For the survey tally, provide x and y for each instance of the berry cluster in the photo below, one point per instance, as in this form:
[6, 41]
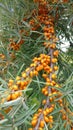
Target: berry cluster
[21, 83]
[15, 46]
[50, 91]
[47, 63]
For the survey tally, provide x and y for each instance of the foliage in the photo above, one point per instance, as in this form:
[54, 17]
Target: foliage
[21, 40]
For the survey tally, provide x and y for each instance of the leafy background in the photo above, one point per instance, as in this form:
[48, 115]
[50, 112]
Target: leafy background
[11, 15]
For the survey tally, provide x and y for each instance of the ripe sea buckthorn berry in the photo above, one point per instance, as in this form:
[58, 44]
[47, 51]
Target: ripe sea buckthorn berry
[53, 76]
[48, 80]
[44, 101]
[43, 90]
[61, 104]
[15, 87]
[51, 109]
[51, 117]
[55, 68]
[54, 60]
[44, 112]
[44, 75]
[40, 128]
[46, 119]
[53, 46]
[13, 96]
[11, 81]
[30, 129]
[34, 122]
[64, 117]
[51, 99]
[18, 82]
[39, 110]
[34, 118]
[53, 82]
[35, 72]
[60, 100]
[31, 73]
[18, 78]
[37, 68]
[55, 53]
[17, 94]
[33, 65]
[24, 75]
[50, 120]
[27, 69]
[47, 110]
[42, 123]
[46, 93]
[50, 70]
[8, 97]
[36, 115]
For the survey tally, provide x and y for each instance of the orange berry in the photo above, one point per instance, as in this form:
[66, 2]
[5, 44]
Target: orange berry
[18, 82]
[64, 117]
[44, 101]
[51, 99]
[15, 87]
[54, 60]
[40, 128]
[61, 104]
[56, 53]
[17, 93]
[27, 69]
[44, 75]
[50, 120]
[30, 129]
[42, 123]
[51, 117]
[11, 81]
[34, 122]
[47, 110]
[53, 76]
[8, 97]
[35, 72]
[31, 74]
[53, 82]
[50, 109]
[46, 119]
[13, 96]
[34, 118]
[53, 105]
[37, 68]
[55, 68]
[44, 112]
[48, 80]
[50, 70]
[32, 65]
[60, 101]
[46, 93]
[43, 90]
[39, 110]
[53, 46]
[18, 78]
[24, 75]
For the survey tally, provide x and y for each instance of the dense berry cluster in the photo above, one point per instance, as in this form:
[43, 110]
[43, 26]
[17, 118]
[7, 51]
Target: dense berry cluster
[21, 83]
[43, 115]
[47, 63]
